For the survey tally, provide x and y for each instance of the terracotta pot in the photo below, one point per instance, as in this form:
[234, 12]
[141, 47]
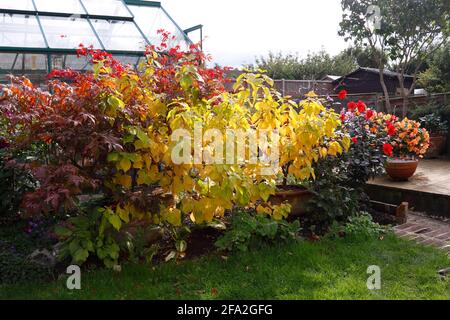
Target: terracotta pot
[401, 169]
[437, 146]
[297, 197]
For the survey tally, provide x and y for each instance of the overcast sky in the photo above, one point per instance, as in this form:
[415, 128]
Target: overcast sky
[238, 30]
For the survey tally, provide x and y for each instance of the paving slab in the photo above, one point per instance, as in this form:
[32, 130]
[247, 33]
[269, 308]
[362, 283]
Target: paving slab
[432, 175]
[427, 191]
[425, 230]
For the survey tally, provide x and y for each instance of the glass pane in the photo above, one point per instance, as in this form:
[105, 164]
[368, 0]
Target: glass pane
[35, 61]
[151, 19]
[19, 63]
[131, 60]
[17, 4]
[76, 63]
[31, 61]
[119, 35]
[115, 8]
[33, 66]
[68, 33]
[63, 6]
[20, 31]
[7, 61]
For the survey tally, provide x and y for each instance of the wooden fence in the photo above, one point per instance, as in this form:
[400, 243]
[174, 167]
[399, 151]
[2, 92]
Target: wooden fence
[298, 88]
[324, 88]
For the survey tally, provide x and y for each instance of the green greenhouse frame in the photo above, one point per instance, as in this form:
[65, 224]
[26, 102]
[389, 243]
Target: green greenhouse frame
[30, 44]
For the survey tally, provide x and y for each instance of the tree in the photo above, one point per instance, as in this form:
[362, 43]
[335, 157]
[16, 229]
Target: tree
[420, 27]
[357, 26]
[403, 32]
[363, 55]
[315, 66]
[436, 77]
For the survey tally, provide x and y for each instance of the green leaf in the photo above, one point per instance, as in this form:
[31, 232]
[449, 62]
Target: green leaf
[63, 232]
[144, 141]
[186, 82]
[115, 102]
[115, 221]
[74, 246]
[113, 157]
[181, 246]
[80, 255]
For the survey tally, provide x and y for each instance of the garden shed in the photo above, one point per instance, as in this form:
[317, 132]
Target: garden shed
[37, 36]
[367, 80]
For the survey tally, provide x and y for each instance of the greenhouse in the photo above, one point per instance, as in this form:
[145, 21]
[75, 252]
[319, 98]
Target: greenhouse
[37, 36]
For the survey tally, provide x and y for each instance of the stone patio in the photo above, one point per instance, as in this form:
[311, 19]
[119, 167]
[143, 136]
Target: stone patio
[427, 191]
[425, 230]
[432, 176]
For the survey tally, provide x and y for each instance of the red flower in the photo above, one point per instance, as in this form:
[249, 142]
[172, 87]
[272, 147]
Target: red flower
[369, 114]
[342, 117]
[342, 94]
[355, 140]
[351, 106]
[361, 106]
[388, 149]
[391, 129]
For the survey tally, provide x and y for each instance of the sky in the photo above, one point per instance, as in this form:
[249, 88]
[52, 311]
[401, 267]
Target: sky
[237, 31]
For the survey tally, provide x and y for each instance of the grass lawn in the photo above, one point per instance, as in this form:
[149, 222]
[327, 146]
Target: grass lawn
[323, 270]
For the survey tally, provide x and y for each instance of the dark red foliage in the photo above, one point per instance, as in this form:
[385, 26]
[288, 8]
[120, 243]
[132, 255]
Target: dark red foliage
[73, 126]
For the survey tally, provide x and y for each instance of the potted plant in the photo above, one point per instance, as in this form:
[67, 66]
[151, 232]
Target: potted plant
[369, 131]
[409, 143]
[437, 128]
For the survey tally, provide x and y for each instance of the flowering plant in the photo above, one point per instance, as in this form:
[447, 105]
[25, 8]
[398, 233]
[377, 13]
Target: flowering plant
[410, 139]
[369, 132]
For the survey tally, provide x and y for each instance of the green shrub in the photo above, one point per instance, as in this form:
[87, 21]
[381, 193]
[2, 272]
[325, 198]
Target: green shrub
[441, 110]
[15, 182]
[434, 123]
[359, 226]
[88, 234]
[335, 194]
[249, 231]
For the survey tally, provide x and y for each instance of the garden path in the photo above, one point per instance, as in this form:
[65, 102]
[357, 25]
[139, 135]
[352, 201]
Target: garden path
[425, 230]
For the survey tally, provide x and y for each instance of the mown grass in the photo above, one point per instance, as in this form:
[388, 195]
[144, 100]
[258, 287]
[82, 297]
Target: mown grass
[329, 269]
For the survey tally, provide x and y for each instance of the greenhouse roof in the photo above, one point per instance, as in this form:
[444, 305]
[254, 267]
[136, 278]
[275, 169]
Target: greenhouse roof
[37, 35]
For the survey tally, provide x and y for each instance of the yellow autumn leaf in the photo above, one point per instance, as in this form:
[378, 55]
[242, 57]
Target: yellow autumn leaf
[124, 165]
[172, 216]
[123, 180]
[334, 148]
[346, 143]
[263, 210]
[123, 214]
